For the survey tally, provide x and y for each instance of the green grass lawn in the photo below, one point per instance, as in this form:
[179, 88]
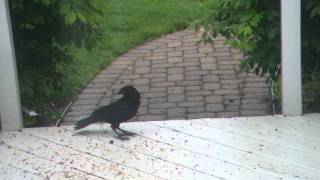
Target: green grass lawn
[127, 24]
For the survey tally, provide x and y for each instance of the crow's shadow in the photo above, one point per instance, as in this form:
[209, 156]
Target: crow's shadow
[91, 133]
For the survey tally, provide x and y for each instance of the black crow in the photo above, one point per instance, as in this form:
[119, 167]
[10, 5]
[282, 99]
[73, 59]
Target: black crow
[115, 113]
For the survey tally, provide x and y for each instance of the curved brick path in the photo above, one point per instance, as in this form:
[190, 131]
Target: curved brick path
[178, 78]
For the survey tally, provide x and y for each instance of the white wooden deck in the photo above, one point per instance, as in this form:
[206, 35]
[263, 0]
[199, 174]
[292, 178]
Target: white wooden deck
[234, 148]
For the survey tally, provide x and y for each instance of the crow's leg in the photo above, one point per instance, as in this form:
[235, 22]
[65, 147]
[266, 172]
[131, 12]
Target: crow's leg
[128, 133]
[119, 136]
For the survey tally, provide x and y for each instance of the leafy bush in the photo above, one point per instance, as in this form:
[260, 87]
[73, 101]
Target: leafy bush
[310, 38]
[311, 92]
[311, 55]
[42, 29]
[254, 27]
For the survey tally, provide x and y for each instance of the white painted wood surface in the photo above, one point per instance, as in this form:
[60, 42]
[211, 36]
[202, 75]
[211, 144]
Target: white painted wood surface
[291, 57]
[10, 110]
[256, 147]
[266, 147]
[258, 131]
[6, 172]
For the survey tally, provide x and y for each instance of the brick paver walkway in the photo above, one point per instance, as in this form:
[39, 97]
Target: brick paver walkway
[178, 79]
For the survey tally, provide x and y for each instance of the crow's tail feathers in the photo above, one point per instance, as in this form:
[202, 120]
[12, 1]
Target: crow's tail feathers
[83, 123]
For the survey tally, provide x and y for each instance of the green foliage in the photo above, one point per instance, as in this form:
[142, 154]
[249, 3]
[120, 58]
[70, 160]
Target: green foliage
[42, 29]
[254, 27]
[310, 38]
[311, 92]
[61, 45]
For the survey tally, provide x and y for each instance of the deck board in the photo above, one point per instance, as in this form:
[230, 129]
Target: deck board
[220, 151]
[61, 153]
[308, 119]
[260, 148]
[248, 129]
[6, 172]
[187, 158]
[122, 156]
[288, 125]
[268, 147]
[34, 164]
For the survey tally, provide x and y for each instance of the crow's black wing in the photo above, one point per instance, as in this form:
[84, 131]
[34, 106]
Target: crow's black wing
[118, 111]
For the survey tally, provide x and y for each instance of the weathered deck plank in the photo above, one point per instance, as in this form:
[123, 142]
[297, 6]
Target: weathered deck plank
[307, 119]
[32, 163]
[181, 156]
[228, 148]
[122, 156]
[257, 147]
[246, 128]
[62, 153]
[6, 172]
[288, 125]
[221, 151]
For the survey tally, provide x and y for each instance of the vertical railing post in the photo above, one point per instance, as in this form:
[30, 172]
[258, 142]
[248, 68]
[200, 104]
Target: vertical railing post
[10, 109]
[291, 57]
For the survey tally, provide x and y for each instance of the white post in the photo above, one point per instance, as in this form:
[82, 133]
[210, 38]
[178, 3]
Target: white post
[10, 109]
[291, 57]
